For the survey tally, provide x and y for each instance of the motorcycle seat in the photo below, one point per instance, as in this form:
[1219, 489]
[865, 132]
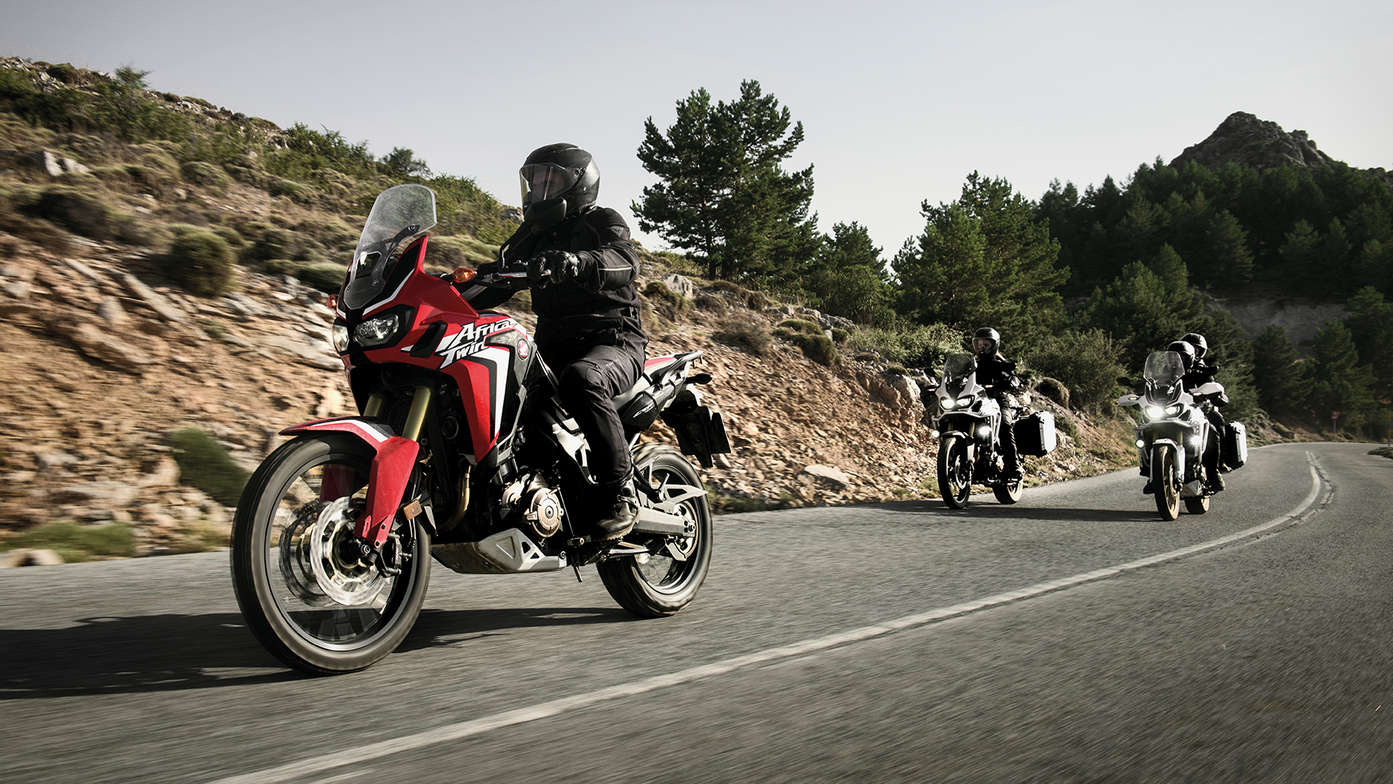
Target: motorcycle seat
[654, 369]
[624, 397]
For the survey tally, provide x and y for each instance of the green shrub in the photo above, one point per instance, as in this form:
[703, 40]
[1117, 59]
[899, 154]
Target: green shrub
[78, 211]
[750, 336]
[205, 174]
[295, 191]
[1085, 361]
[446, 253]
[711, 303]
[205, 464]
[753, 300]
[840, 334]
[327, 276]
[76, 542]
[665, 301]
[800, 325]
[200, 261]
[63, 72]
[917, 346]
[817, 347]
[135, 230]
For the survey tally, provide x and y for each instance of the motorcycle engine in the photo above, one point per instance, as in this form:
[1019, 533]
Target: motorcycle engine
[536, 503]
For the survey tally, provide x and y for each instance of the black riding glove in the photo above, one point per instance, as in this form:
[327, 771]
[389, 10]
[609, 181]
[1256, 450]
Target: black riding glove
[553, 266]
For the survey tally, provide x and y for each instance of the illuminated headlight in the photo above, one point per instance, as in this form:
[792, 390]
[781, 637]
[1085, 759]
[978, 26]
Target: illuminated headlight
[965, 400]
[984, 431]
[933, 434]
[339, 335]
[1141, 444]
[1175, 409]
[947, 402]
[376, 331]
[1194, 441]
[1154, 412]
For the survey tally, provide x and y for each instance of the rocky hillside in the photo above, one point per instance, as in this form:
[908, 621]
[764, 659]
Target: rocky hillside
[135, 406]
[1246, 139]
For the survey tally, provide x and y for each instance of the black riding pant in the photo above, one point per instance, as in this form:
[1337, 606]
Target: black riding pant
[589, 374]
[1007, 434]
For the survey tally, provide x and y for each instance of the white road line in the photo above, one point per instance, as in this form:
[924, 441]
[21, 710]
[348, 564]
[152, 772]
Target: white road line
[452, 732]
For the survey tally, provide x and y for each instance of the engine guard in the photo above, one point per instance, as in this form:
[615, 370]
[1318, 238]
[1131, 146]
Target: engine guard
[392, 462]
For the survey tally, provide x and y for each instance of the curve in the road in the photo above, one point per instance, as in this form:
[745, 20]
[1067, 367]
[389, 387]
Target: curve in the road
[459, 730]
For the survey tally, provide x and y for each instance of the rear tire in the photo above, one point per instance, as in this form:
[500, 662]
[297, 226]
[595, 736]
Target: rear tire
[1197, 506]
[1163, 483]
[664, 585]
[954, 472]
[298, 632]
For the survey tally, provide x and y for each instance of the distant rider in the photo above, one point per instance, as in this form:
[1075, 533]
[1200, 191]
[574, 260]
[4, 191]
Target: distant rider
[1205, 372]
[588, 326]
[1197, 375]
[998, 375]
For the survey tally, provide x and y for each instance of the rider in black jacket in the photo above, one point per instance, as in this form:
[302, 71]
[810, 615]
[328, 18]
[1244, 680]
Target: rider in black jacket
[998, 374]
[1202, 372]
[583, 265]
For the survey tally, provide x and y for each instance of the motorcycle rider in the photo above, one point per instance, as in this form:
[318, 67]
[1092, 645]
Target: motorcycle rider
[1197, 375]
[998, 375]
[1202, 372]
[582, 265]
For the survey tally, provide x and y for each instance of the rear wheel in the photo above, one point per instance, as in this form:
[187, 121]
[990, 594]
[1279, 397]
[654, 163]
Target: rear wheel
[662, 584]
[297, 577]
[1163, 482]
[954, 471]
[1197, 506]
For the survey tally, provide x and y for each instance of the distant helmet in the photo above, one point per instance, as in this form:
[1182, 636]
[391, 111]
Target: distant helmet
[1197, 340]
[1186, 350]
[986, 341]
[558, 179]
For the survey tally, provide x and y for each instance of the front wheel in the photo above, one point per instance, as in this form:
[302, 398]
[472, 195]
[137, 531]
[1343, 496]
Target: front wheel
[1008, 492]
[661, 584]
[297, 577]
[954, 471]
[1163, 482]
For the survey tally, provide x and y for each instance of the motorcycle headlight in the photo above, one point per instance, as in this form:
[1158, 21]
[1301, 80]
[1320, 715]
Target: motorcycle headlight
[339, 335]
[965, 400]
[1174, 410]
[947, 402]
[1154, 412]
[377, 331]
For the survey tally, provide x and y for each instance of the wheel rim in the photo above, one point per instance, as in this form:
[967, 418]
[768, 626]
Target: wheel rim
[660, 570]
[315, 585]
[959, 471]
[1172, 492]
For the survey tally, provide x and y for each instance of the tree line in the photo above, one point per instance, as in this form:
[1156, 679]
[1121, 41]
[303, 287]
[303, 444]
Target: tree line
[1082, 286]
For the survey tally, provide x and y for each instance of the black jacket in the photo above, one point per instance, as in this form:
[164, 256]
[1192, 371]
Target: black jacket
[998, 372]
[601, 300]
[1199, 374]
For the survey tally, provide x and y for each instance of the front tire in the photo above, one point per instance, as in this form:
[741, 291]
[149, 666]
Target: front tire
[1197, 506]
[954, 472]
[1163, 482]
[664, 585]
[303, 603]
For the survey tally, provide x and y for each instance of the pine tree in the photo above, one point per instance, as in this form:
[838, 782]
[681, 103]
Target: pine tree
[849, 278]
[1282, 378]
[723, 192]
[1340, 383]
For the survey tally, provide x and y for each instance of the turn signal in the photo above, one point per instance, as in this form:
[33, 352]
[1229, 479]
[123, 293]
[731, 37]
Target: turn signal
[462, 275]
[332, 301]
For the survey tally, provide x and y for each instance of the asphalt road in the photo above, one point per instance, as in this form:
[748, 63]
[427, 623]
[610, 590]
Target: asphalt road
[869, 643]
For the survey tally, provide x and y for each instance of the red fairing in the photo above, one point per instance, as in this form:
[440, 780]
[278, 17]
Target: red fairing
[391, 469]
[479, 370]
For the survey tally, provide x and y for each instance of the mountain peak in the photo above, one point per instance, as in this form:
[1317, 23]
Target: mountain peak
[1247, 139]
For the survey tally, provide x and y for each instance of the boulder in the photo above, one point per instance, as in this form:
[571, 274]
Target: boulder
[679, 285]
[828, 474]
[111, 311]
[28, 557]
[103, 347]
[153, 299]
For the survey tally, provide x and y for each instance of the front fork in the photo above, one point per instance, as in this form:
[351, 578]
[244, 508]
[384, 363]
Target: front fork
[391, 469]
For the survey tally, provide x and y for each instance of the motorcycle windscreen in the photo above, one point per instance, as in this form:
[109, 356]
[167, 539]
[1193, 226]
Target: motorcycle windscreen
[958, 369]
[400, 215]
[1163, 369]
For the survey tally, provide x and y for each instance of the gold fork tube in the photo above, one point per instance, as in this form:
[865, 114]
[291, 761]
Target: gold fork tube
[416, 417]
[373, 409]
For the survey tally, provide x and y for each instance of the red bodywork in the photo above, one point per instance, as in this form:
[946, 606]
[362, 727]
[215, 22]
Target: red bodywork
[481, 372]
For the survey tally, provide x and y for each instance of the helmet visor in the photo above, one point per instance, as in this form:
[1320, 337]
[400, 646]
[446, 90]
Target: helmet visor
[983, 345]
[542, 181]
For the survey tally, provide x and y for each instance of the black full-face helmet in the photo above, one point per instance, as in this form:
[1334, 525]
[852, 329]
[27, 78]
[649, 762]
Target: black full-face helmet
[1197, 340]
[558, 180]
[1186, 350]
[985, 342]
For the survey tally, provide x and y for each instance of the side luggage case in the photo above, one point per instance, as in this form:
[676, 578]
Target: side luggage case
[1235, 445]
[1035, 436]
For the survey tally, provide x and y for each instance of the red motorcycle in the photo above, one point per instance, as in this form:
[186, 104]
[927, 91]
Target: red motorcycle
[462, 454]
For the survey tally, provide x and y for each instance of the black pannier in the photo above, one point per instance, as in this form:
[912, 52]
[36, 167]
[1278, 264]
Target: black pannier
[1035, 435]
[700, 431]
[1235, 445]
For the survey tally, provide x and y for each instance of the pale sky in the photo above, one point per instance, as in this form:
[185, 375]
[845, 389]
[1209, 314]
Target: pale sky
[899, 101]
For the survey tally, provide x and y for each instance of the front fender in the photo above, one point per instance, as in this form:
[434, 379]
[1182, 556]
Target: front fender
[393, 459]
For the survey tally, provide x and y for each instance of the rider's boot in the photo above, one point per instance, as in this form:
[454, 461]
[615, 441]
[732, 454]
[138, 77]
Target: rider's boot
[619, 511]
[1148, 489]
